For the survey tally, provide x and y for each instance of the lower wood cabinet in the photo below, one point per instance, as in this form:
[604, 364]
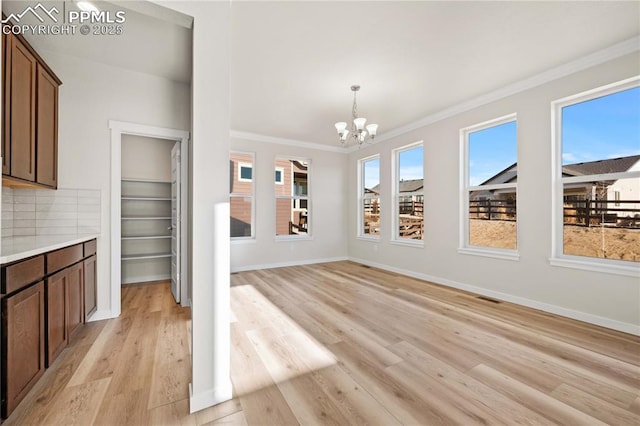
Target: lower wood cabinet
[23, 344]
[90, 283]
[75, 298]
[48, 298]
[57, 314]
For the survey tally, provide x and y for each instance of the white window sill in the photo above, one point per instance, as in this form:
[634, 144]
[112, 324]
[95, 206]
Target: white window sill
[375, 239]
[493, 253]
[408, 243]
[243, 240]
[289, 238]
[597, 265]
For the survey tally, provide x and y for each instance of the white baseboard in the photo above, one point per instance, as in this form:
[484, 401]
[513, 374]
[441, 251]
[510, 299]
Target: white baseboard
[558, 310]
[209, 398]
[101, 315]
[286, 264]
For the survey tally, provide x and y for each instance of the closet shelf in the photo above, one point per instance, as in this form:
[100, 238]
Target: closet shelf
[146, 218]
[150, 237]
[130, 198]
[145, 256]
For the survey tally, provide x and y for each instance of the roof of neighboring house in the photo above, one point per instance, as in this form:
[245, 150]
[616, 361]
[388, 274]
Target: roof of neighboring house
[508, 175]
[612, 165]
[409, 185]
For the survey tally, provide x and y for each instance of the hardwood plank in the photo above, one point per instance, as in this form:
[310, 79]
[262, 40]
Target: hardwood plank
[173, 414]
[235, 419]
[219, 411]
[531, 398]
[595, 407]
[78, 405]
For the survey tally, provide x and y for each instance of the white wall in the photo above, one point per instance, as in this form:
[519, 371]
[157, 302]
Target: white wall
[327, 180]
[90, 96]
[210, 310]
[146, 158]
[612, 300]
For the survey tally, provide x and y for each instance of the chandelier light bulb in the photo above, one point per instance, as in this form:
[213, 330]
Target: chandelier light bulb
[341, 126]
[344, 135]
[372, 128]
[359, 123]
[362, 136]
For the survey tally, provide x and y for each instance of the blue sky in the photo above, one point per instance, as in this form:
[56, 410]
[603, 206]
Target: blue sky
[491, 151]
[607, 127]
[411, 167]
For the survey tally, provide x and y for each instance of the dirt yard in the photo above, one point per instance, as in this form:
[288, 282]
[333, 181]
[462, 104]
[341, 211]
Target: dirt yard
[619, 243]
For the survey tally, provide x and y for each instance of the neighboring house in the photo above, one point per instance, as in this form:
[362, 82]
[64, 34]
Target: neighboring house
[409, 204]
[241, 181]
[621, 190]
[290, 181]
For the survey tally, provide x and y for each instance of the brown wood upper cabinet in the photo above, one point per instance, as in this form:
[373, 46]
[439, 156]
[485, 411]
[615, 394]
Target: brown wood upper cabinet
[30, 116]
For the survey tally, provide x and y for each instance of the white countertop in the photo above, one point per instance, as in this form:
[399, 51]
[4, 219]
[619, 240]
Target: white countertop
[17, 248]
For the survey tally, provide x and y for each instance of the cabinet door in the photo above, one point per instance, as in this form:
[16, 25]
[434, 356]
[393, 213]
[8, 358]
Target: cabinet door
[75, 298]
[47, 129]
[57, 315]
[23, 111]
[6, 97]
[90, 283]
[23, 325]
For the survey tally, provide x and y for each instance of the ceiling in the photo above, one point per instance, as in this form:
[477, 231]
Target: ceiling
[292, 63]
[157, 45]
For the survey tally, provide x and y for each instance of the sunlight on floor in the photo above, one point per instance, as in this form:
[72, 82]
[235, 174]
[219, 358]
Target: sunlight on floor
[284, 347]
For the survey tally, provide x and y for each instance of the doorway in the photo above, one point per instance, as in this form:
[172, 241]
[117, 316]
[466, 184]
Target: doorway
[148, 195]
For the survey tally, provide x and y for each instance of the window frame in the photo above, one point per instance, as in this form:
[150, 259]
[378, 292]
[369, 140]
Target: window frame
[252, 237]
[242, 164]
[361, 197]
[395, 196]
[558, 258]
[293, 197]
[281, 170]
[465, 189]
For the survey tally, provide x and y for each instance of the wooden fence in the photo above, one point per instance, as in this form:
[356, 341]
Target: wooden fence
[618, 213]
[492, 209]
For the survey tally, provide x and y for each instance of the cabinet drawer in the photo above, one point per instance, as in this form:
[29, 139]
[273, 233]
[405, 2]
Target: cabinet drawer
[90, 248]
[21, 274]
[62, 258]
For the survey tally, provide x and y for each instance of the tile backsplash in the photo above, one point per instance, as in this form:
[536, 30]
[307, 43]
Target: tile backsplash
[28, 212]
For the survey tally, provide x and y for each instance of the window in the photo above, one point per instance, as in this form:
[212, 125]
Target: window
[597, 179]
[292, 198]
[369, 197]
[280, 175]
[489, 175]
[245, 172]
[408, 194]
[241, 198]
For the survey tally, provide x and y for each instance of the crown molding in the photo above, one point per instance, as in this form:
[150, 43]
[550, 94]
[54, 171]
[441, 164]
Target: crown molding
[255, 137]
[617, 50]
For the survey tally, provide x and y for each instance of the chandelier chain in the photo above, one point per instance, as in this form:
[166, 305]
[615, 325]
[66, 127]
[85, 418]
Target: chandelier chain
[354, 110]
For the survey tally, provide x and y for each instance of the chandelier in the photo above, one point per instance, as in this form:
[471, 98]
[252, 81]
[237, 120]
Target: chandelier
[356, 131]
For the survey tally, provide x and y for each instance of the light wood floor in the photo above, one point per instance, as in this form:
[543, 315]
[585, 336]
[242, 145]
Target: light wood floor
[341, 343]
